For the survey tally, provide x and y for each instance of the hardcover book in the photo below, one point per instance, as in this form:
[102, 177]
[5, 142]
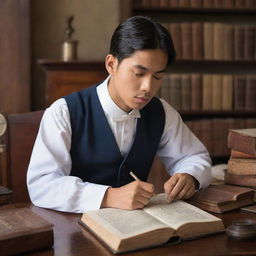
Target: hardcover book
[222, 198]
[241, 166]
[243, 140]
[157, 224]
[21, 230]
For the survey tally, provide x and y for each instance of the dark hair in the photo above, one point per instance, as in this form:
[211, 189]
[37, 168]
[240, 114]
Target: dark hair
[141, 33]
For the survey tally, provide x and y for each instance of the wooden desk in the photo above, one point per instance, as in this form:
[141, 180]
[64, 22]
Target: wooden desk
[71, 239]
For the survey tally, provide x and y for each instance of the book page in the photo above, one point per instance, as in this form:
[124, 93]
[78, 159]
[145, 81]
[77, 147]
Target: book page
[126, 223]
[176, 213]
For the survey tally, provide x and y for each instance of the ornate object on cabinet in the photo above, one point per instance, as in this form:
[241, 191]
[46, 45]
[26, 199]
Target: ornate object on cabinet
[69, 46]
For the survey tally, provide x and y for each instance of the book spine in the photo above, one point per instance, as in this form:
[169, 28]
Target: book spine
[207, 92]
[175, 30]
[208, 41]
[196, 92]
[239, 42]
[239, 92]
[249, 42]
[228, 42]
[185, 92]
[186, 36]
[227, 92]
[197, 40]
[250, 93]
[216, 92]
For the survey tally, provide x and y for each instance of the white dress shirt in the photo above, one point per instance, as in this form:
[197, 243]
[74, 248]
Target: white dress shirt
[48, 180]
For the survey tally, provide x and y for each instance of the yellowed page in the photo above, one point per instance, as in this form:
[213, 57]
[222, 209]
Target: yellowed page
[177, 213]
[124, 223]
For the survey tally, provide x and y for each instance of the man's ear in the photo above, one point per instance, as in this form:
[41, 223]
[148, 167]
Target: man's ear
[111, 63]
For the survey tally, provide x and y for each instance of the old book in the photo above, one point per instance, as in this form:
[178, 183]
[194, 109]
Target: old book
[196, 3]
[222, 198]
[238, 154]
[228, 42]
[207, 3]
[243, 140]
[239, 92]
[184, 3]
[227, 92]
[229, 4]
[175, 90]
[239, 42]
[249, 42]
[185, 92]
[240, 180]
[197, 41]
[207, 92]
[155, 225]
[173, 3]
[175, 30]
[250, 93]
[216, 92]
[241, 166]
[196, 92]
[186, 36]
[251, 208]
[208, 41]
[21, 230]
[5, 195]
[218, 42]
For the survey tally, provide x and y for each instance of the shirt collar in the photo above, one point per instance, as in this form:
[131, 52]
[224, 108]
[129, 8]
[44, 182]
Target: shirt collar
[111, 110]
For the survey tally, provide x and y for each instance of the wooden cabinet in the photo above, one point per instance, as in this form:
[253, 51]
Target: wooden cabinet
[63, 78]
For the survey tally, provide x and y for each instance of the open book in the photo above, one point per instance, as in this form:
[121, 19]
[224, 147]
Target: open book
[158, 223]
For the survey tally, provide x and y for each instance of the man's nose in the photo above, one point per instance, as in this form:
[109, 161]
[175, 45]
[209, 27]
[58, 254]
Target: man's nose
[146, 84]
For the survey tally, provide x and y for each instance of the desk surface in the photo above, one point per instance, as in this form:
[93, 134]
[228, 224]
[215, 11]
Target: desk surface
[71, 239]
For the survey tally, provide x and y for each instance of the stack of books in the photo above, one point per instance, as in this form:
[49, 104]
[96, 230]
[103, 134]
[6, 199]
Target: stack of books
[242, 163]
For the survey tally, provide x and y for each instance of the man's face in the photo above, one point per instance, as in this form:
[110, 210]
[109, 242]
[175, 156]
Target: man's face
[137, 78]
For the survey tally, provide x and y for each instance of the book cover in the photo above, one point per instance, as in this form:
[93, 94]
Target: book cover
[154, 225]
[21, 230]
[238, 154]
[243, 140]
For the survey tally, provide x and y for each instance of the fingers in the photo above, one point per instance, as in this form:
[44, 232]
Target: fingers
[179, 186]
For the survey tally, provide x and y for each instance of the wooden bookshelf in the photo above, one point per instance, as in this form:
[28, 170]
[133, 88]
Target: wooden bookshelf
[210, 126]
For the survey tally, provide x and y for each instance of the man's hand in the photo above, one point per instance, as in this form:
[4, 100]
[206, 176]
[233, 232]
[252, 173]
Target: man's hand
[180, 186]
[134, 195]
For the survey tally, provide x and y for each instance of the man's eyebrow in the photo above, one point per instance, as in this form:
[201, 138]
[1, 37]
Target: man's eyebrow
[146, 69]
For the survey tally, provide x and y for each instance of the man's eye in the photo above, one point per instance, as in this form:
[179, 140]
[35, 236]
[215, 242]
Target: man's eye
[158, 77]
[139, 74]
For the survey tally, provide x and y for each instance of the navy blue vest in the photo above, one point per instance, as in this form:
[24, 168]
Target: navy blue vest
[94, 152]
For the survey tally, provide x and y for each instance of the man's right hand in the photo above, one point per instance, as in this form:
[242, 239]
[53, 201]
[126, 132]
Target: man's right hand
[134, 195]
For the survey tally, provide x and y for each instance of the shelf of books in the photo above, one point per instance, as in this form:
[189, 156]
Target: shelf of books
[213, 81]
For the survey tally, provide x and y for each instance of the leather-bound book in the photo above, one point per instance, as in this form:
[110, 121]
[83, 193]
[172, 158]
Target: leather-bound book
[227, 92]
[207, 92]
[197, 41]
[249, 42]
[186, 36]
[239, 92]
[228, 42]
[239, 154]
[240, 4]
[250, 4]
[218, 42]
[22, 230]
[240, 180]
[185, 92]
[241, 166]
[239, 42]
[216, 92]
[208, 40]
[175, 91]
[243, 140]
[250, 93]
[229, 4]
[196, 92]
[184, 3]
[207, 3]
[175, 30]
[5, 195]
[174, 3]
[222, 198]
[218, 4]
[196, 3]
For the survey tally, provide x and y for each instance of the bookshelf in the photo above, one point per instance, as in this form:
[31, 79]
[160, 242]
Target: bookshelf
[215, 42]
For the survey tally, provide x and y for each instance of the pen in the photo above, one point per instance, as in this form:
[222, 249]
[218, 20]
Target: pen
[134, 176]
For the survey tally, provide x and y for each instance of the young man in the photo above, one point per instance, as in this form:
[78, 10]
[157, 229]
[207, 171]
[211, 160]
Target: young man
[89, 141]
